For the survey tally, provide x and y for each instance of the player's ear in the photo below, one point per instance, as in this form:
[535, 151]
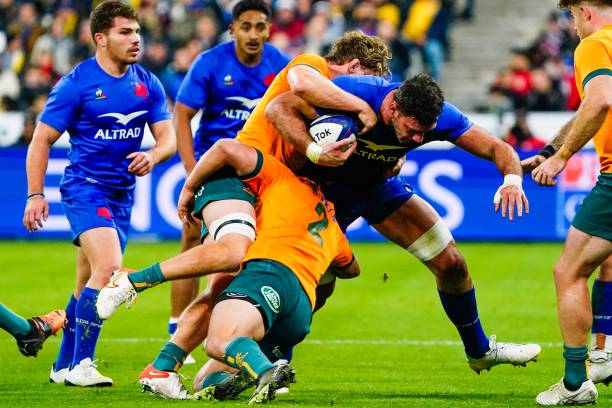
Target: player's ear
[100, 39]
[231, 29]
[354, 66]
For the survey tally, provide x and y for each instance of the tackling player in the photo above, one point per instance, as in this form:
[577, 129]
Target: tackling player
[225, 82]
[411, 114]
[104, 104]
[589, 239]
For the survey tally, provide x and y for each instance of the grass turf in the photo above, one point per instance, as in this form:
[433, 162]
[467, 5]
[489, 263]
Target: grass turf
[382, 340]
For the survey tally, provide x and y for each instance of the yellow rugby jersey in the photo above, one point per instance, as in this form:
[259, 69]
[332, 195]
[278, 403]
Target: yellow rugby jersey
[593, 57]
[296, 225]
[259, 132]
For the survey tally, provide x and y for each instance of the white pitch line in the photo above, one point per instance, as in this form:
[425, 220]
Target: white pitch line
[326, 342]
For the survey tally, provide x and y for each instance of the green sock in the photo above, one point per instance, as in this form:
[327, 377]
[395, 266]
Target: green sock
[13, 323]
[244, 353]
[146, 278]
[575, 366]
[170, 358]
[215, 378]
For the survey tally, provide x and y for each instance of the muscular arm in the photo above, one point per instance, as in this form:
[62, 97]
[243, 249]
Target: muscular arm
[37, 209]
[587, 122]
[486, 146]
[181, 119]
[288, 113]
[530, 163]
[308, 84]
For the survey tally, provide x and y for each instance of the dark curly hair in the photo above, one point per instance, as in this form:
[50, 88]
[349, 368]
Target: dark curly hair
[565, 4]
[247, 5]
[102, 16]
[421, 98]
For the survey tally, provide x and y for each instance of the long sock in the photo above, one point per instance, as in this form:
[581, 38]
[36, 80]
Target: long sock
[87, 326]
[575, 366]
[244, 353]
[172, 325]
[66, 351]
[215, 378]
[12, 322]
[463, 312]
[601, 300]
[146, 278]
[170, 358]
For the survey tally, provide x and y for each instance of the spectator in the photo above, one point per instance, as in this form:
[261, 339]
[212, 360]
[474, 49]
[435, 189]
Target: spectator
[288, 26]
[520, 136]
[173, 74]
[545, 95]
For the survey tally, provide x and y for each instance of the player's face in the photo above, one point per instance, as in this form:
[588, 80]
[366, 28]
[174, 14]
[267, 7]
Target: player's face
[580, 20]
[250, 31]
[408, 129]
[123, 40]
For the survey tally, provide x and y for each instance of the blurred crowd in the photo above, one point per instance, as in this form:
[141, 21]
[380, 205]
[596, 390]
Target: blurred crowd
[42, 40]
[540, 77]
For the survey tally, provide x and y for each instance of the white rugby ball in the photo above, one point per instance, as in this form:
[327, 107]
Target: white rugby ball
[332, 128]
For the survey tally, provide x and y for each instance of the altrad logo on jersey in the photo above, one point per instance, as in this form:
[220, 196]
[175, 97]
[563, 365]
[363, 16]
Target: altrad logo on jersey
[113, 134]
[240, 114]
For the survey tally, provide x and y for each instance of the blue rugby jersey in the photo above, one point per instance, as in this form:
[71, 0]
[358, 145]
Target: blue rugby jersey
[378, 148]
[105, 118]
[226, 90]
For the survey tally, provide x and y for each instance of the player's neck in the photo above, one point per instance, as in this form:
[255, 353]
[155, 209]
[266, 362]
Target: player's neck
[337, 70]
[249, 60]
[110, 66]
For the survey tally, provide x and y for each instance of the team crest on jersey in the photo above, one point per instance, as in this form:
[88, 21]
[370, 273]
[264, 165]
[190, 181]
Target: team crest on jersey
[272, 298]
[100, 94]
[269, 78]
[227, 80]
[140, 89]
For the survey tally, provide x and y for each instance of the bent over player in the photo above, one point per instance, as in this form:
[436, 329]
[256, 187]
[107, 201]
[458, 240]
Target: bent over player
[103, 104]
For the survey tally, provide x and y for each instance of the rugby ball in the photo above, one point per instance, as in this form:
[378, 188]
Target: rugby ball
[332, 128]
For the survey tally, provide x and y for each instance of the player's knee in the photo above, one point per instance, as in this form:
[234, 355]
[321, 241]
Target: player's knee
[236, 247]
[215, 347]
[432, 243]
[452, 266]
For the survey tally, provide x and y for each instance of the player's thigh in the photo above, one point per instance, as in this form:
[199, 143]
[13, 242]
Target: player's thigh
[102, 248]
[581, 254]
[233, 318]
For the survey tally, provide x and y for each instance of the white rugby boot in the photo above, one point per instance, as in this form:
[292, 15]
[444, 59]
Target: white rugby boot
[559, 395]
[118, 291]
[85, 374]
[600, 367]
[166, 384]
[505, 353]
[57, 377]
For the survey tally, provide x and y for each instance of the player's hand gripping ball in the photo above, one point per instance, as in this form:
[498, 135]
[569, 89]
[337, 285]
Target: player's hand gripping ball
[333, 128]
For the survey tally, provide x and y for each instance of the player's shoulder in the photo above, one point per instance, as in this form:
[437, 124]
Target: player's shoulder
[83, 70]
[308, 59]
[221, 50]
[271, 52]
[597, 41]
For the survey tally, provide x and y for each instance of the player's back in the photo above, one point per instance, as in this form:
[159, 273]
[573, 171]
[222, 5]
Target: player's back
[259, 132]
[593, 57]
[226, 90]
[105, 117]
[296, 225]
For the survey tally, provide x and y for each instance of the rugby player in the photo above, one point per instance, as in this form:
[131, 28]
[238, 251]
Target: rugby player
[225, 82]
[411, 114]
[103, 104]
[589, 239]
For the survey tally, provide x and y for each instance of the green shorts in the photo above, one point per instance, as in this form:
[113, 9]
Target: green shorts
[279, 297]
[223, 185]
[595, 214]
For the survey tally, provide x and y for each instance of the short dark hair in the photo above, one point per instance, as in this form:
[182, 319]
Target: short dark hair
[565, 4]
[102, 17]
[247, 5]
[421, 98]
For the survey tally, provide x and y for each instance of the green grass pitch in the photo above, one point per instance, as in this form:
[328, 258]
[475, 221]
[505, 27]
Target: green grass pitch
[382, 340]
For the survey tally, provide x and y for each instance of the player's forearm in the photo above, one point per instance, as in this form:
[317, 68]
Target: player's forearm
[506, 159]
[36, 165]
[289, 121]
[184, 138]
[588, 120]
[165, 141]
[559, 138]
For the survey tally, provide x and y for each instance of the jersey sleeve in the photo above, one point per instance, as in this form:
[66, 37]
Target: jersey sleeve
[345, 253]
[193, 91]
[62, 105]
[591, 59]
[452, 123]
[159, 109]
[267, 171]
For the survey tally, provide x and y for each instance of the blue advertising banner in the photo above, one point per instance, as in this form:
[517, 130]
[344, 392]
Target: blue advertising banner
[459, 186]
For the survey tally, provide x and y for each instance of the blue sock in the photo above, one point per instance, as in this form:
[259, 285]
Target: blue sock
[12, 322]
[601, 299]
[288, 355]
[170, 358]
[463, 312]
[244, 353]
[66, 351]
[87, 327]
[172, 325]
[575, 366]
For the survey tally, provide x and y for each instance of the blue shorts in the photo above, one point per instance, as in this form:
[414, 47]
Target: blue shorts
[374, 202]
[90, 205]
